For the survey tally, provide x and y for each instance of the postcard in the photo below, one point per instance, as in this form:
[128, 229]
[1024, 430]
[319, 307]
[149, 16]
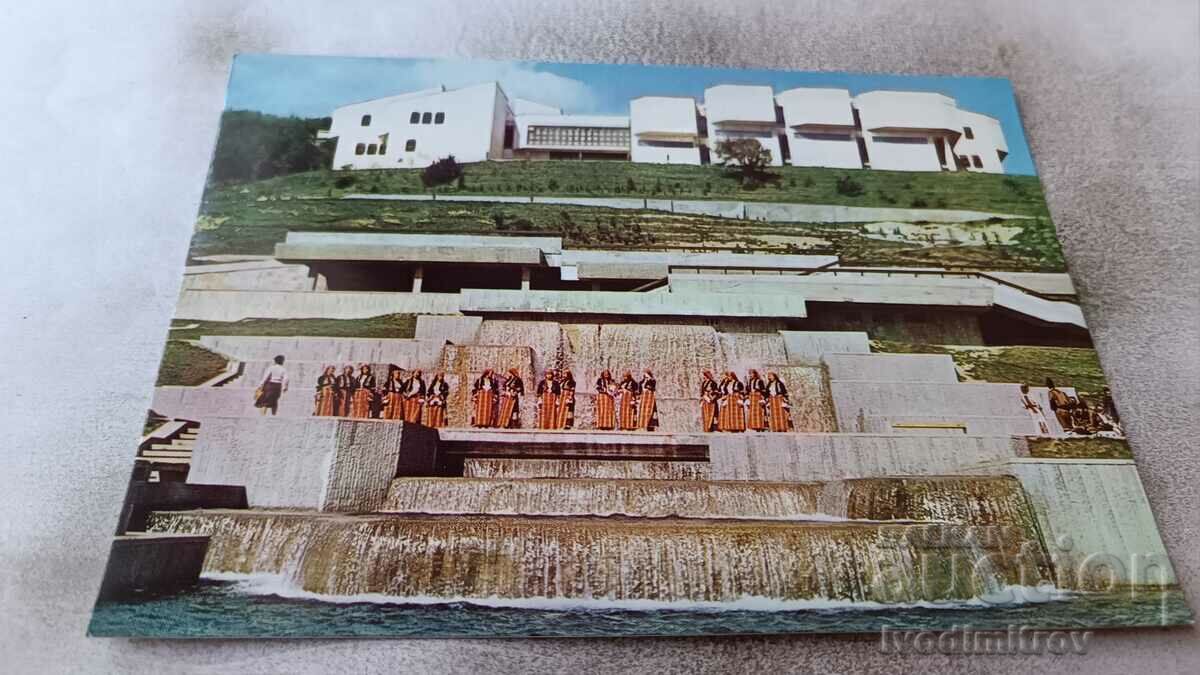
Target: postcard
[469, 348]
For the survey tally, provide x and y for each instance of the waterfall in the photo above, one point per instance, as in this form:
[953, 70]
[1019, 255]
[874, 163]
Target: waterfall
[585, 468]
[589, 558]
[464, 363]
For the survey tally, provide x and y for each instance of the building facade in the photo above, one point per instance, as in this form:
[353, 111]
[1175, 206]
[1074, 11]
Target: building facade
[807, 126]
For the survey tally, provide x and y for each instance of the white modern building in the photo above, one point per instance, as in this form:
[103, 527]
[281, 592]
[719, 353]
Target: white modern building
[806, 126]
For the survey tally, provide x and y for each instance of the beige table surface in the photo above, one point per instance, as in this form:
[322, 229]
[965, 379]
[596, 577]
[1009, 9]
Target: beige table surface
[109, 115]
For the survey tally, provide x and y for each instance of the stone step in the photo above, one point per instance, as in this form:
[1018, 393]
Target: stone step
[970, 500]
[165, 454]
[166, 460]
[171, 446]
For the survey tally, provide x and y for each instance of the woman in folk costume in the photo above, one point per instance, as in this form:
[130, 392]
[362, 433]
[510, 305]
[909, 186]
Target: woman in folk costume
[437, 394]
[484, 395]
[606, 414]
[756, 402]
[647, 404]
[732, 414]
[565, 417]
[1036, 413]
[547, 401]
[627, 407]
[346, 384]
[392, 402]
[510, 401]
[779, 411]
[362, 403]
[327, 394]
[710, 391]
[414, 397]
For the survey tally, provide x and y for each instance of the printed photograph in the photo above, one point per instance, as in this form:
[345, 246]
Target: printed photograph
[507, 349]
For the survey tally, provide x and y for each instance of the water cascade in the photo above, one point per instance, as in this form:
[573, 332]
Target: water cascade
[598, 558]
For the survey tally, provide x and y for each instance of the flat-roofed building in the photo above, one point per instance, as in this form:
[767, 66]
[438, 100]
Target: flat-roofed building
[820, 129]
[735, 111]
[664, 130]
[557, 136]
[803, 126]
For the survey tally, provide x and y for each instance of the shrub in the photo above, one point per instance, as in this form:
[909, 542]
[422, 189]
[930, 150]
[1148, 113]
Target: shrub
[630, 186]
[344, 181]
[849, 187]
[441, 172]
[918, 203]
[552, 185]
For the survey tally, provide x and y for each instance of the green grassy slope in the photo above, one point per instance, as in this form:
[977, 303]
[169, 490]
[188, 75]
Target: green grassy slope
[385, 326]
[1018, 195]
[1067, 366]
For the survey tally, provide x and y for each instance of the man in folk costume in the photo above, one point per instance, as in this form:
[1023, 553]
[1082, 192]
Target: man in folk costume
[362, 404]
[627, 405]
[346, 384]
[710, 392]
[392, 404]
[1035, 410]
[647, 404]
[325, 403]
[436, 396]
[510, 400]
[733, 416]
[548, 391]
[484, 395]
[565, 417]
[779, 410]
[1061, 405]
[414, 397]
[606, 414]
[756, 402]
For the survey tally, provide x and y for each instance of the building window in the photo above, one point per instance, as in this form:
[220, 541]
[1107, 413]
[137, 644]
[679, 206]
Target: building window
[410, 145]
[372, 149]
[414, 118]
[360, 148]
[426, 118]
[439, 118]
[976, 161]
[968, 133]
[366, 120]
[606, 137]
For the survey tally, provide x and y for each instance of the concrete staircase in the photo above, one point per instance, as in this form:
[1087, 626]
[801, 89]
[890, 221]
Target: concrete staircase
[166, 453]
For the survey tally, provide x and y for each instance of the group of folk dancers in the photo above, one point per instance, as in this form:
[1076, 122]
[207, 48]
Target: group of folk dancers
[1075, 414]
[404, 395]
[757, 404]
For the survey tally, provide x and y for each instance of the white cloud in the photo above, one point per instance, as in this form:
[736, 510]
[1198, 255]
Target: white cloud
[518, 80]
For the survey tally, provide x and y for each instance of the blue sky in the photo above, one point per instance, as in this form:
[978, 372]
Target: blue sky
[312, 86]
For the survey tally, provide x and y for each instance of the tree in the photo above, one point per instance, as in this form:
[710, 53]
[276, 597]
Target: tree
[441, 172]
[748, 156]
[252, 146]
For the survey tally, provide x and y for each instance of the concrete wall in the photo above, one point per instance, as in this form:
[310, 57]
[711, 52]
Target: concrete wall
[806, 457]
[649, 304]
[442, 329]
[1096, 522]
[209, 305]
[196, 403]
[400, 351]
[808, 347]
[845, 288]
[141, 565]
[930, 368]
[325, 464]
[256, 276]
[855, 401]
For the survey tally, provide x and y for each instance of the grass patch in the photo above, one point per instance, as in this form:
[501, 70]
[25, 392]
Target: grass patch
[1021, 195]
[384, 326]
[236, 222]
[1080, 448]
[187, 365]
[1068, 366]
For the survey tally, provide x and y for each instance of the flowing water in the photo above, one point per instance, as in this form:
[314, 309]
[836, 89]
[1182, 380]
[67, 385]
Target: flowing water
[614, 559]
[262, 606]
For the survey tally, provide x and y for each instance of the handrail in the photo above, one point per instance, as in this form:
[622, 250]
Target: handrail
[864, 271]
